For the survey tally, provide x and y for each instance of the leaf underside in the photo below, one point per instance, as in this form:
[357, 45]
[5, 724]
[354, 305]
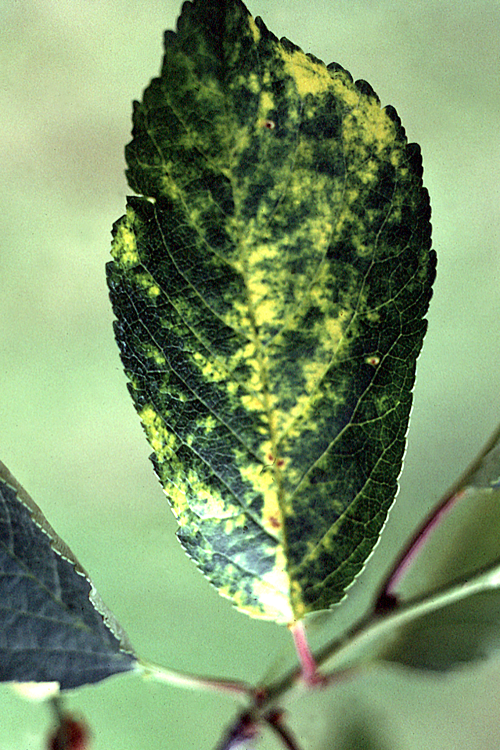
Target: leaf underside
[53, 625]
[269, 287]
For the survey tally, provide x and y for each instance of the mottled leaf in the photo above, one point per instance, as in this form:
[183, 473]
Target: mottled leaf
[53, 625]
[465, 544]
[270, 286]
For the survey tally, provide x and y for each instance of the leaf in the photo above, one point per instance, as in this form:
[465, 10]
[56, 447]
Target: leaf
[54, 626]
[269, 289]
[464, 547]
[362, 732]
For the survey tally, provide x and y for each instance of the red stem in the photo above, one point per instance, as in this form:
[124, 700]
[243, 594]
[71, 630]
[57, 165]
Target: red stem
[411, 551]
[310, 674]
[387, 598]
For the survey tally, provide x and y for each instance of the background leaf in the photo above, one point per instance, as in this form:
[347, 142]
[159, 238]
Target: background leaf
[269, 291]
[363, 732]
[465, 543]
[53, 625]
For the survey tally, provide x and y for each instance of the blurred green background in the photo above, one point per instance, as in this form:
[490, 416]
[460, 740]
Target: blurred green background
[69, 433]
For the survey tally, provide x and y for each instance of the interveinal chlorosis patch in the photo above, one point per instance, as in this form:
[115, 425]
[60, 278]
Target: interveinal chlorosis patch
[270, 285]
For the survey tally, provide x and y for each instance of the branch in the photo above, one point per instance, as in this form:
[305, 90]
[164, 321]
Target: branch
[153, 671]
[374, 626]
[275, 721]
[245, 728]
[386, 597]
[387, 615]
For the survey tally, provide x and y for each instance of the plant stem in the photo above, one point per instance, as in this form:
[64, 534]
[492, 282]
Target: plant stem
[447, 502]
[413, 548]
[375, 626]
[310, 674]
[192, 681]
[385, 617]
[244, 729]
[275, 721]
[367, 629]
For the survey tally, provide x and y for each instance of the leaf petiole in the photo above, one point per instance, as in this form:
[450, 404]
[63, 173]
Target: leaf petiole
[310, 674]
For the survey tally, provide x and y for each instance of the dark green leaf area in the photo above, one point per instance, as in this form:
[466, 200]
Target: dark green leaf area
[270, 288]
[184, 126]
[453, 636]
[49, 629]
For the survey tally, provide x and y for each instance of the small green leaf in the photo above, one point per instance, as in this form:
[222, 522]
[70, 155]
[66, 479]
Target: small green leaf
[54, 626]
[270, 288]
[464, 546]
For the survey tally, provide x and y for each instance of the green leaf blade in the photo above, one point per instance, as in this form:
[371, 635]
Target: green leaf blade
[270, 290]
[54, 626]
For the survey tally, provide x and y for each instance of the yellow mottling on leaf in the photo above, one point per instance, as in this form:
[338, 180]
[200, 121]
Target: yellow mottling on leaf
[396, 160]
[161, 440]
[238, 318]
[208, 424]
[239, 143]
[169, 187]
[232, 387]
[229, 526]
[235, 522]
[211, 369]
[369, 173]
[334, 332]
[344, 90]
[152, 352]
[360, 247]
[178, 502]
[146, 281]
[254, 29]
[372, 315]
[243, 296]
[214, 506]
[252, 81]
[266, 306]
[296, 596]
[266, 103]
[252, 402]
[271, 593]
[264, 483]
[347, 218]
[124, 247]
[368, 130]
[309, 76]
[267, 309]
